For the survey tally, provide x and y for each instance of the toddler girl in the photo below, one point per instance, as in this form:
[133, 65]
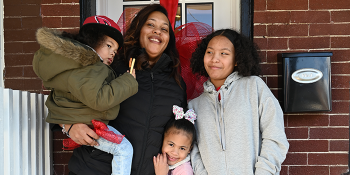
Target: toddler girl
[179, 135]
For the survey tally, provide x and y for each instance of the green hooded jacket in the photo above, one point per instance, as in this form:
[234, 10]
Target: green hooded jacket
[82, 87]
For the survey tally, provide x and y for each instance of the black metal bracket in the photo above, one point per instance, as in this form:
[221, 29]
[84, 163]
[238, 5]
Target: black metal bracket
[247, 14]
[87, 9]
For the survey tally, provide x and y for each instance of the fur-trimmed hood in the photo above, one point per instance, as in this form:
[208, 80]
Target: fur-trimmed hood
[59, 54]
[52, 39]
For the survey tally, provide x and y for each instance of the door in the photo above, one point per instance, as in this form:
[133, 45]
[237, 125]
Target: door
[218, 14]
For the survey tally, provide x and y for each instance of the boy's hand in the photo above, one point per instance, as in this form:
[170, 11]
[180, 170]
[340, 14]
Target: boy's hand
[133, 73]
[82, 134]
[161, 166]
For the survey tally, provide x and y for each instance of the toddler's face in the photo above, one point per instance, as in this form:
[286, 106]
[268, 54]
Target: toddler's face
[107, 50]
[219, 59]
[176, 145]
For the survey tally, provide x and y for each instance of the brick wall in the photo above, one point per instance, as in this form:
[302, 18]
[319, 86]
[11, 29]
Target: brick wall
[21, 20]
[318, 141]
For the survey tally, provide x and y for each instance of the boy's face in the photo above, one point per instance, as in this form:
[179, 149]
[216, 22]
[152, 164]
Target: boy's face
[176, 145]
[219, 59]
[107, 50]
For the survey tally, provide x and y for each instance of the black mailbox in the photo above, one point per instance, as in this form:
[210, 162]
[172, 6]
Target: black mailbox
[307, 81]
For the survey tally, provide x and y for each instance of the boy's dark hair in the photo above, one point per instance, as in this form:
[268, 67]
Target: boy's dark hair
[181, 125]
[246, 54]
[132, 47]
[90, 37]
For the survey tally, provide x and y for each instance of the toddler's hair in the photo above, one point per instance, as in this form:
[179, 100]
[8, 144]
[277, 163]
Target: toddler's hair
[181, 125]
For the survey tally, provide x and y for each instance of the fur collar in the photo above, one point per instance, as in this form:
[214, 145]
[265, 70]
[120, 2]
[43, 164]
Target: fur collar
[52, 39]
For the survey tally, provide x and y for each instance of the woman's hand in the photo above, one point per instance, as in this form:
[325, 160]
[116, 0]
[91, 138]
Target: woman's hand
[161, 166]
[82, 134]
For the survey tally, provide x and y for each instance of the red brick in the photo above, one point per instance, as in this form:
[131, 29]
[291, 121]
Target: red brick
[310, 17]
[287, 30]
[308, 146]
[28, 72]
[62, 158]
[309, 43]
[297, 133]
[327, 159]
[308, 120]
[260, 30]
[31, 22]
[12, 10]
[12, 23]
[340, 94]
[340, 16]
[13, 72]
[13, 47]
[59, 135]
[30, 47]
[336, 170]
[32, 2]
[11, 2]
[339, 145]
[326, 4]
[340, 42]
[329, 133]
[19, 35]
[340, 107]
[70, 1]
[60, 10]
[329, 29]
[260, 5]
[339, 120]
[262, 55]
[278, 94]
[308, 170]
[272, 17]
[50, 1]
[340, 55]
[275, 82]
[18, 59]
[296, 159]
[30, 10]
[340, 68]
[271, 69]
[22, 84]
[60, 169]
[261, 42]
[287, 5]
[284, 170]
[71, 22]
[57, 145]
[52, 22]
[340, 81]
[277, 43]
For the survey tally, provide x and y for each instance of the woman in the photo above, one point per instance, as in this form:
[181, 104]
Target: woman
[239, 121]
[151, 41]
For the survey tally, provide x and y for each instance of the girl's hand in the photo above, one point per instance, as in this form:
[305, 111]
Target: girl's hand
[82, 134]
[133, 73]
[161, 166]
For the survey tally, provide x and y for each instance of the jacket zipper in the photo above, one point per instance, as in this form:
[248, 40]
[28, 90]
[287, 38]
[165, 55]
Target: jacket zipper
[147, 124]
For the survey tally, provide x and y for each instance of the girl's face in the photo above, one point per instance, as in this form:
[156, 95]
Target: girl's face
[176, 145]
[154, 35]
[219, 59]
[107, 50]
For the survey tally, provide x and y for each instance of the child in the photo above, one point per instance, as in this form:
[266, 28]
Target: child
[179, 135]
[83, 86]
[240, 122]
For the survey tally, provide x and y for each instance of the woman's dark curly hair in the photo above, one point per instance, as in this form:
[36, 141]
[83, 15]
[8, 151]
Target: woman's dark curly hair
[246, 54]
[132, 47]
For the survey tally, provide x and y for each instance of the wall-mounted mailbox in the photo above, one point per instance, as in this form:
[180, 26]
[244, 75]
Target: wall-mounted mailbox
[307, 81]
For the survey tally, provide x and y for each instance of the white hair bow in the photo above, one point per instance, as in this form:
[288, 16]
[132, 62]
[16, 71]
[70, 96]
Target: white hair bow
[190, 115]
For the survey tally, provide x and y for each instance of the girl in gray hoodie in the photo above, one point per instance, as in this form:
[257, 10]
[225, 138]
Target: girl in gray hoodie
[239, 121]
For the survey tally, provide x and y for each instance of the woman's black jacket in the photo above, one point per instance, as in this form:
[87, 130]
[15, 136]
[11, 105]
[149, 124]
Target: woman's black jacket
[141, 119]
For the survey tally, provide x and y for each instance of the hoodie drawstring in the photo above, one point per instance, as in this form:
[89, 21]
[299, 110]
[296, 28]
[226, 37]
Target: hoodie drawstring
[220, 119]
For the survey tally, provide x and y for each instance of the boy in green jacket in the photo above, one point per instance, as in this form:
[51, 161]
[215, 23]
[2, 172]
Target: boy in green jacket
[83, 86]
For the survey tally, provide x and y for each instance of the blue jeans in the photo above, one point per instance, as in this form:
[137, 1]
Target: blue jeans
[122, 153]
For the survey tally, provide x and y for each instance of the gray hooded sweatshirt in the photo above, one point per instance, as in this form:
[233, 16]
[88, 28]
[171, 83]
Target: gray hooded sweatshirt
[243, 133]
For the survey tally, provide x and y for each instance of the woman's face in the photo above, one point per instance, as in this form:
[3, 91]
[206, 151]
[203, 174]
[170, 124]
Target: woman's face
[107, 50]
[219, 59]
[154, 35]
